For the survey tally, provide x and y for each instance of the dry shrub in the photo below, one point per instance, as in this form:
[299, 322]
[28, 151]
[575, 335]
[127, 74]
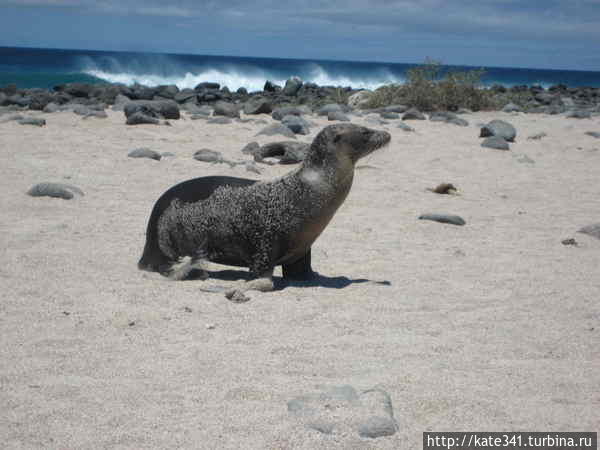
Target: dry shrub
[427, 89]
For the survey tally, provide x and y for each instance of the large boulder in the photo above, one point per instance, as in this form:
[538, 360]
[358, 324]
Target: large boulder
[271, 87]
[139, 92]
[105, 93]
[185, 95]
[280, 113]
[226, 109]
[292, 86]
[139, 118]
[511, 107]
[499, 128]
[495, 142]
[276, 128]
[76, 89]
[337, 115]
[167, 91]
[413, 114]
[167, 109]
[207, 85]
[39, 99]
[297, 124]
[287, 152]
[331, 107]
[258, 106]
[17, 99]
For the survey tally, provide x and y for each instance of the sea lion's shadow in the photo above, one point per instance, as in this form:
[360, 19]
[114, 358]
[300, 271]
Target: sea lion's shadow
[318, 280]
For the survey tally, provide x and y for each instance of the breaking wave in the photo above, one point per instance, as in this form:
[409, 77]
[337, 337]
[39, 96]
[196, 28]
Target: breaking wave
[251, 78]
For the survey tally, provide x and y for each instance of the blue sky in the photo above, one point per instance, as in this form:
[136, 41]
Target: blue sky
[559, 34]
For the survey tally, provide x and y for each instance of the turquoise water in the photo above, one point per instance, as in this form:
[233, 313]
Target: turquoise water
[45, 68]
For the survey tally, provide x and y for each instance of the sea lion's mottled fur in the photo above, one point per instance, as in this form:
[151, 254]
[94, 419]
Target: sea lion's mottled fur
[264, 224]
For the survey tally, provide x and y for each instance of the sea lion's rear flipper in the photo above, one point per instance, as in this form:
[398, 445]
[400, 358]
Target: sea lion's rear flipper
[299, 269]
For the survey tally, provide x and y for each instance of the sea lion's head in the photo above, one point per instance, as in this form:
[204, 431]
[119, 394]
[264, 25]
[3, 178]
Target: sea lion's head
[343, 141]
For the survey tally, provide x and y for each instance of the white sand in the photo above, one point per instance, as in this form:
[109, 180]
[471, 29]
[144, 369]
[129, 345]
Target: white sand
[492, 326]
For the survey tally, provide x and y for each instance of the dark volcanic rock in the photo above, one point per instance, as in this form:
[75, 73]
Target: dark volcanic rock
[139, 118]
[220, 120]
[276, 128]
[144, 153]
[579, 114]
[185, 95]
[206, 155]
[258, 106]
[331, 107]
[499, 128]
[9, 89]
[288, 152]
[167, 109]
[51, 108]
[39, 99]
[281, 112]
[271, 87]
[459, 121]
[511, 107]
[443, 218]
[56, 190]
[11, 117]
[594, 134]
[495, 142]
[537, 137]
[33, 121]
[389, 115]
[226, 109]
[297, 124]
[251, 148]
[545, 98]
[193, 108]
[448, 117]
[405, 127]
[207, 85]
[337, 115]
[413, 114]
[17, 99]
[76, 89]
[292, 86]
[395, 108]
[139, 92]
[168, 91]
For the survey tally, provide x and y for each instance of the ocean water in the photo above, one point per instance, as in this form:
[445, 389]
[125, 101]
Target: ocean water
[45, 68]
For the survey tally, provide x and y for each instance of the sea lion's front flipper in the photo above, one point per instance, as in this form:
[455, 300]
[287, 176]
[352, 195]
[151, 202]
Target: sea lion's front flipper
[263, 283]
[299, 269]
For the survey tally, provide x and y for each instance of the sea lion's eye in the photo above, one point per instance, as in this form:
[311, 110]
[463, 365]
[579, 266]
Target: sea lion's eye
[337, 138]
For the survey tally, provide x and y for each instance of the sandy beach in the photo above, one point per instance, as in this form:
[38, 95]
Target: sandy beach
[490, 326]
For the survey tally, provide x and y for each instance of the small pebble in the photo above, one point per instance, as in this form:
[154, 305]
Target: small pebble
[444, 218]
[570, 241]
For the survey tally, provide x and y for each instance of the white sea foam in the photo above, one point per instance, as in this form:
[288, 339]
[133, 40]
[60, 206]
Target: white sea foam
[252, 79]
[189, 80]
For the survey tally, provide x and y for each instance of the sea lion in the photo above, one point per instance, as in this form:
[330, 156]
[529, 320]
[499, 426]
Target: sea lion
[257, 224]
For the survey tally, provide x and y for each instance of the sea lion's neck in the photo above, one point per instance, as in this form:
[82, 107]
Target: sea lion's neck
[333, 175]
